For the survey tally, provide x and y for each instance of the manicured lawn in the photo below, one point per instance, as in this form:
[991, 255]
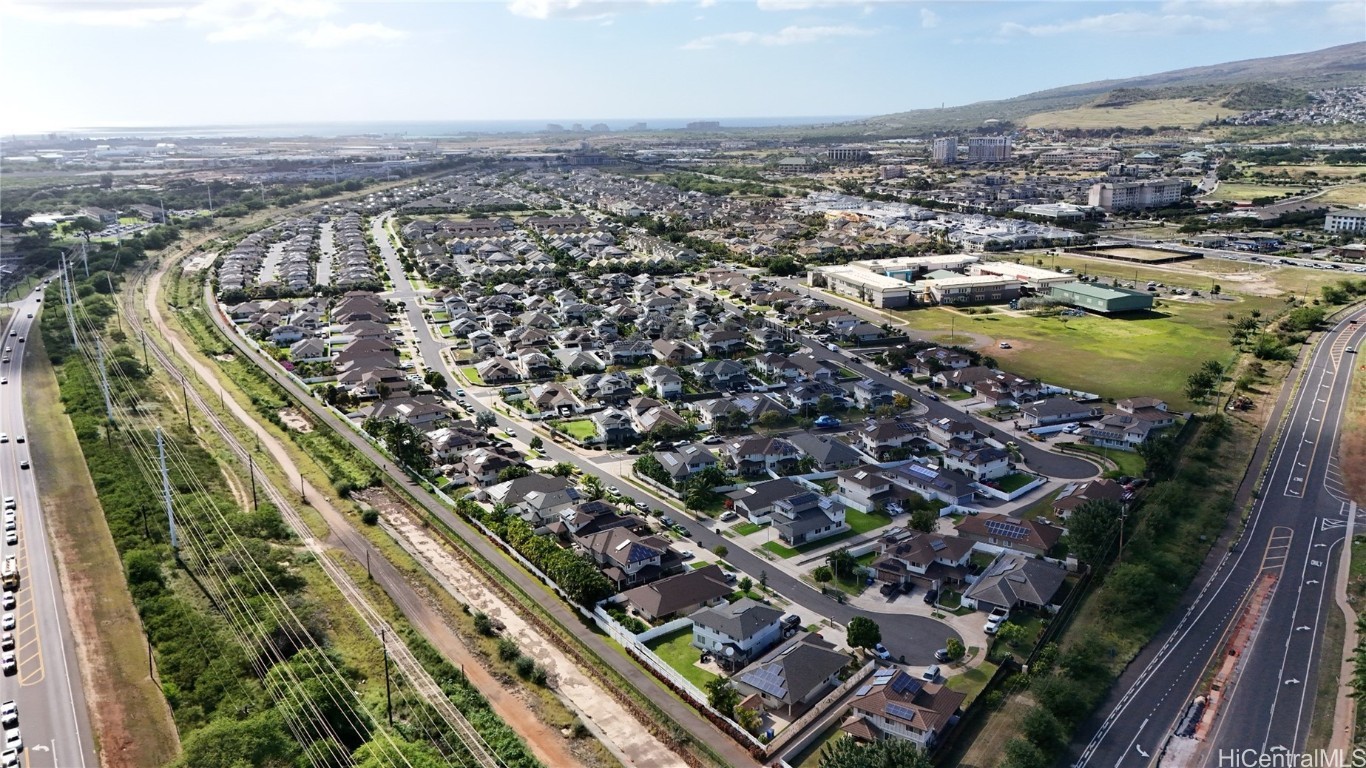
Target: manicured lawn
[1014, 481]
[1241, 192]
[863, 522]
[972, 681]
[677, 651]
[1043, 506]
[811, 756]
[472, 376]
[583, 429]
[955, 394]
[784, 551]
[1128, 462]
[746, 528]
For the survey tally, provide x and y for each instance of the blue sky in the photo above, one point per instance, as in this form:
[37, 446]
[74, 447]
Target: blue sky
[150, 63]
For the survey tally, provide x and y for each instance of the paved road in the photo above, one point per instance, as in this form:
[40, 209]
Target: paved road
[1294, 532]
[52, 708]
[914, 637]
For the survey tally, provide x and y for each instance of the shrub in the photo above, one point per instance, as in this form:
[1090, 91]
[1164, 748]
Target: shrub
[508, 650]
[525, 666]
[370, 516]
[483, 624]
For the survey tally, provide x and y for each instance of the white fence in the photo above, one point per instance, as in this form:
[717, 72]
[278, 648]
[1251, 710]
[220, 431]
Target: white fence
[663, 629]
[1013, 495]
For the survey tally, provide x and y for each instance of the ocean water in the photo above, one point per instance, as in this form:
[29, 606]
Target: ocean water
[418, 129]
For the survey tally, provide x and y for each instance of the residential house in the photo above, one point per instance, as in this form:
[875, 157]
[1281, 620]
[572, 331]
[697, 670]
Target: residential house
[554, 397]
[630, 352]
[421, 411]
[870, 394]
[933, 557]
[482, 465]
[865, 488]
[936, 359]
[903, 707]
[885, 437]
[723, 342]
[684, 461]
[613, 426]
[768, 339]
[284, 335]
[648, 415]
[497, 370]
[946, 485]
[1014, 580]
[807, 517]
[736, 633]
[535, 498]
[948, 432]
[589, 517]
[684, 593]
[1033, 537]
[826, 453]
[675, 353]
[628, 559]
[1074, 495]
[1056, 410]
[794, 675]
[756, 502]
[755, 405]
[758, 455]
[614, 388]
[722, 374]
[979, 464]
[535, 365]
[309, 351]
[665, 381]
[713, 413]
[777, 366]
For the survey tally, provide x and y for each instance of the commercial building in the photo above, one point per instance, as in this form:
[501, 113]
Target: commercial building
[878, 290]
[909, 268]
[968, 289]
[945, 150]
[1097, 298]
[1034, 278]
[988, 149]
[1136, 195]
[846, 154]
[1345, 221]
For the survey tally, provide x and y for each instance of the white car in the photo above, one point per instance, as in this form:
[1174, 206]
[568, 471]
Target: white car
[13, 740]
[4, 438]
[9, 663]
[9, 758]
[7, 641]
[8, 599]
[9, 502]
[612, 489]
[12, 538]
[7, 622]
[9, 714]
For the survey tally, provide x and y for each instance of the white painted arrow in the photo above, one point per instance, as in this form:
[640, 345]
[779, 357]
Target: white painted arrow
[1140, 751]
[40, 748]
[1302, 629]
[1312, 581]
[1292, 681]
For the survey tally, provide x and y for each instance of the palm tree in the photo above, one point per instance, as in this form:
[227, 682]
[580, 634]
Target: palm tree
[592, 487]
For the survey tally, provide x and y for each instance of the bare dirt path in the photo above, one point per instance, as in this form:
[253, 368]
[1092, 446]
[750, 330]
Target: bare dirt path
[549, 746]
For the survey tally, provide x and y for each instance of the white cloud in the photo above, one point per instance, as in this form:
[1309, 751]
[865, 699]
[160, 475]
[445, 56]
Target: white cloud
[806, 5]
[791, 35]
[221, 21]
[329, 35]
[1125, 23]
[579, 9]
[928, 19]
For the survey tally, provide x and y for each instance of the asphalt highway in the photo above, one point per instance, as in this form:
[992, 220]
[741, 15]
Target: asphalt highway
[1295, 530]
[47, 687]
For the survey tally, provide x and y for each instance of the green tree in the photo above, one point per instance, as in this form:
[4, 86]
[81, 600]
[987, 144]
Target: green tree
[1042, 729]
[748, 719]
[485, 420]
[842, 562]
[394, 750]
[1092, 528]
[955, 648]
[536, 443]
[822, 574]
[1020, 753]
[924, 520]
[435, 379]
[720, 550]
[229, 742]
[745, 583]
[722, 696]
[771, 419]
[592, 488]
[513, 472]
[883, 753]
[561, 469]
[863, 632]
[1011, 633]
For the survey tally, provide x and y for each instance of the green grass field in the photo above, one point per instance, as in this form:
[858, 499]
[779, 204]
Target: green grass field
[746, 528]
[1127, 462]
[1148, 353]
[1352, 194]
[972, 681]
[472, 375]
[677, 651]
[863, 522]
[583, 429]
[1014, 481]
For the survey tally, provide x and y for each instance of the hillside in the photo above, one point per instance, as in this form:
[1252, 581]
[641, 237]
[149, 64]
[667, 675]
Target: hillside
[1234, 86]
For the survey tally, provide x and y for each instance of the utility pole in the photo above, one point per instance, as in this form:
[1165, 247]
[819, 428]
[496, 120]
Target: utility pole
[251, 469]
[104, 383]
[144, 349]
[388, 694]
[185, 392]
[166, 494]
[66, 299]
[210, 186]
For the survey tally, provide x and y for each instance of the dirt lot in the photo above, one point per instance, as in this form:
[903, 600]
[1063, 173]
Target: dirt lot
[612, 723]
[294, 420]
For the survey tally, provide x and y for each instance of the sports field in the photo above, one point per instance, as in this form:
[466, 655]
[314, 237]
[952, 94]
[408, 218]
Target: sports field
[1137, 253]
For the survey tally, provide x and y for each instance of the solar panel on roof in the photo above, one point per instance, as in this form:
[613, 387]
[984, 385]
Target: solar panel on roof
[938, 544]
[925, 472]
[900, 710]
[767, 680]
[904, 683]
[863, 690]
[1007, 529]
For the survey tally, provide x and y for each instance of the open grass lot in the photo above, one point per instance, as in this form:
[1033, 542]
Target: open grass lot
[583, 429]
[1014, 481]
[1239, 192]
[784, 551]
[1324, 171]
[1137, 253]
[1148, 353]
[811, 756]
[1248, 279]
[472, 375]
[1351, 194]
[1186, 113]
[677, 651]
[746, 528]
[863, 522]
[972, 681]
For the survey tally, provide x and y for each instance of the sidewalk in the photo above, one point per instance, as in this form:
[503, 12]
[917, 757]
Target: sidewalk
[1345, 712]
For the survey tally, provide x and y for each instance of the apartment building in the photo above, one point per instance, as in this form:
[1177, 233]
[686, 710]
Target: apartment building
[1136, 195]
[945, 150]
[988, 149]
[1345, 221]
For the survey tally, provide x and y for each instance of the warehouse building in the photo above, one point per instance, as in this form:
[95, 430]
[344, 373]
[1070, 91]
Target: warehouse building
[1102, 299]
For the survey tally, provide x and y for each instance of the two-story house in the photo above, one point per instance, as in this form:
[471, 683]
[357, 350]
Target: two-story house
[884, 437]
[756, 502]
[665, 381]
[757, 455]
[903, 707]
[797, 673]
[979, 464]
[935, 558]
[807, 517]
[684, 461]
[736, 633]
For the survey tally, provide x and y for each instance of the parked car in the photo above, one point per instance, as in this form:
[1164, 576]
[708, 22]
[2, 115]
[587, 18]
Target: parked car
[881, 652]
[792, 621]
[931, 673]
[931, 596]
[888, 590]
[826, 422]
[941, 655]
[907, 587]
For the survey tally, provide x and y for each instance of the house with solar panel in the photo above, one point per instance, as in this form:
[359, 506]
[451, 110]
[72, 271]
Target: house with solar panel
[1015, 581]
[932, 559]
[736, 633]
[864, 488]
[628, 558]
[793, 676]
[896, 705]
[807, 517]
[1032, 537]
[952, 488]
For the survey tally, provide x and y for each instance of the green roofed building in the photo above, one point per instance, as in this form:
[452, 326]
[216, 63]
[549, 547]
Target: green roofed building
[1102, 299]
